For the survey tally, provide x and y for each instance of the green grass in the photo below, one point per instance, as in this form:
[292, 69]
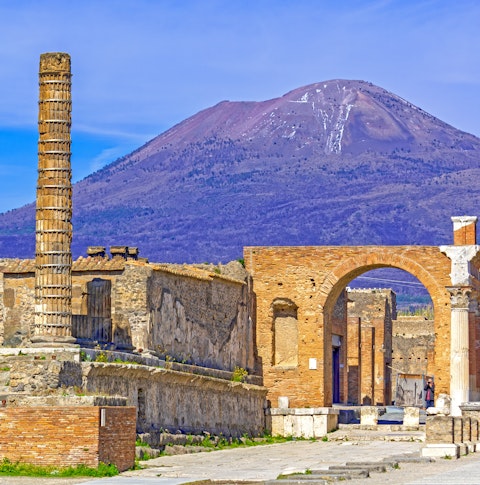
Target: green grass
[8, 468]
[220, 442]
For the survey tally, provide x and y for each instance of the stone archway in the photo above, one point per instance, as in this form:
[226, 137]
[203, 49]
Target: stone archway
[311, 278]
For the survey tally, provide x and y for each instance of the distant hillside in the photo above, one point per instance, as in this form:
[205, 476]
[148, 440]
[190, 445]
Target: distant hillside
[334, 163]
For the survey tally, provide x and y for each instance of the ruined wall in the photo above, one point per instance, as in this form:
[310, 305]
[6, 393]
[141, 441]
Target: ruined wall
[188, 314]
[313, 278]
[413, 346]
[67, 436]
[178, 401]
[167, 395]
[199, 319]
[376, 308]
[17, 300]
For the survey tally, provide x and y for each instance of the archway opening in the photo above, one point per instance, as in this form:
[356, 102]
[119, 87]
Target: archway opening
[381, 354]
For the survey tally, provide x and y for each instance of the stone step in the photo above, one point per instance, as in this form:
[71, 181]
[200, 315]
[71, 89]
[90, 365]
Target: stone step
[348, 472]
[378, 467]
[409, 459]
[371, 465]
[294, 481]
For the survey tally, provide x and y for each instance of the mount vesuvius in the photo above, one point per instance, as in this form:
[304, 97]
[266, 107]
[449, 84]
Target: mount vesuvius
[334, 163]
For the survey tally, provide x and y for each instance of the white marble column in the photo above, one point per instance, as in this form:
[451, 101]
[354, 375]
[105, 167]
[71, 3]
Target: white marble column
[459, 348]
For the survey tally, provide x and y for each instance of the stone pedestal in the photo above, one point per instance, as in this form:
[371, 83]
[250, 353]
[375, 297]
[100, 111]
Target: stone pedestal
[301, 422]
[368, 416]
[441, 450]
[411, 417]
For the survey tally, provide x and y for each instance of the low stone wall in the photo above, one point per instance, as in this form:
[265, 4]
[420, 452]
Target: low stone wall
[450, 436]
[168, 396]
[68, 435]
[179, 401]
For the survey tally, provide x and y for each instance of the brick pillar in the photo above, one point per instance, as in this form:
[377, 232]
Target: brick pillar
[353, 360]
[367, 369]
[53, 259]
[464, 230]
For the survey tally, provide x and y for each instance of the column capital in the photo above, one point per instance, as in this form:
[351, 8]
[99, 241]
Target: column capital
[460, 297]
[461, 269]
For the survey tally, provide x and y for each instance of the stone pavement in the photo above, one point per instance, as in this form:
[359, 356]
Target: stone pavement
[263, 463]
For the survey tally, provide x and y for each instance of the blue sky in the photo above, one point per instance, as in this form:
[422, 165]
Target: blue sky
[140, 66]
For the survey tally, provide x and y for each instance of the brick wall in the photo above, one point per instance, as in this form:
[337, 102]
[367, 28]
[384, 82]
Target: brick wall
[64, 436]
[117, 436]
[313, 279]
[354, 360]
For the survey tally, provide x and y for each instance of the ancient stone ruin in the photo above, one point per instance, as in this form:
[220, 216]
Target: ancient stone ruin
[161, 348]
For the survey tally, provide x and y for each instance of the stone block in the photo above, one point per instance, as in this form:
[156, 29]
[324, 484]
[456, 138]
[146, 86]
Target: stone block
[411, 416]
[301, 422]
[369, 416]
[441, 450]
[440, 429]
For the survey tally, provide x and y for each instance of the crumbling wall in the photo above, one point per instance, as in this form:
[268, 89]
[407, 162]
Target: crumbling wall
[199, 318]
[413, 346]
[178, 401]
[375, 308]
[16, 308]
[182, 313]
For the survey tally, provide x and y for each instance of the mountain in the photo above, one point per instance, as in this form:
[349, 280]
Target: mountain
[334, 163]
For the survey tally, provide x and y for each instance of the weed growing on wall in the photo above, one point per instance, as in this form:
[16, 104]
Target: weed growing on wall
[101, 357]
[239, 374]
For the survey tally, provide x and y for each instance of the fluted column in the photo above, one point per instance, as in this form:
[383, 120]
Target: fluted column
[459, 347]
[53, 235]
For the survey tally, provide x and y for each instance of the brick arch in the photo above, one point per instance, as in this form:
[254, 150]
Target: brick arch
[361, 263]
[313, 277]
[435, 279]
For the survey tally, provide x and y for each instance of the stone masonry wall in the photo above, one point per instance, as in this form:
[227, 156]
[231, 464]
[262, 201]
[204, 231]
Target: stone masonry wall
[312, 278]
[201, 321]
[67, 436]
[413, 346]
[16, 309]
[178, 401]
[166, 395]
[187, 314]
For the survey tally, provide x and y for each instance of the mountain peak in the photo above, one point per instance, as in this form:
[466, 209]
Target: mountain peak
[335, 162]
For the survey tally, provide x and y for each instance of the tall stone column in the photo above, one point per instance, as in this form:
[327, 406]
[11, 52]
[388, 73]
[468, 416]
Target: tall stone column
[53, 235]
[464, 277]
[459, 348]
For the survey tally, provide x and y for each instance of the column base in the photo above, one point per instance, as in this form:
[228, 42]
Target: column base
[49, 341]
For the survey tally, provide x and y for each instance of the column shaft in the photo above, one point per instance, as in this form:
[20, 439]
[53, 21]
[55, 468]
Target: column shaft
[459, 348]
[53, 233]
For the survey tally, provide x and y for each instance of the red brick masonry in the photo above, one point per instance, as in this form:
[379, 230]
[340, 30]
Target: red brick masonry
[69, 436]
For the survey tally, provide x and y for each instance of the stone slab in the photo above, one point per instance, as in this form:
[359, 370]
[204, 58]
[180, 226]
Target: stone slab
[441, 450]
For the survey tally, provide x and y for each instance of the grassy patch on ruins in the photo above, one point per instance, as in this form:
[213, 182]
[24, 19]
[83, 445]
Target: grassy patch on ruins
[9, 468]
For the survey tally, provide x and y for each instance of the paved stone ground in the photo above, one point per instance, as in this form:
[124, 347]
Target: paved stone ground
[261, 463]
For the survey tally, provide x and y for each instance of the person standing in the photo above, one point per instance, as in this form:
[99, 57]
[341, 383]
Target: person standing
[429, 393]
